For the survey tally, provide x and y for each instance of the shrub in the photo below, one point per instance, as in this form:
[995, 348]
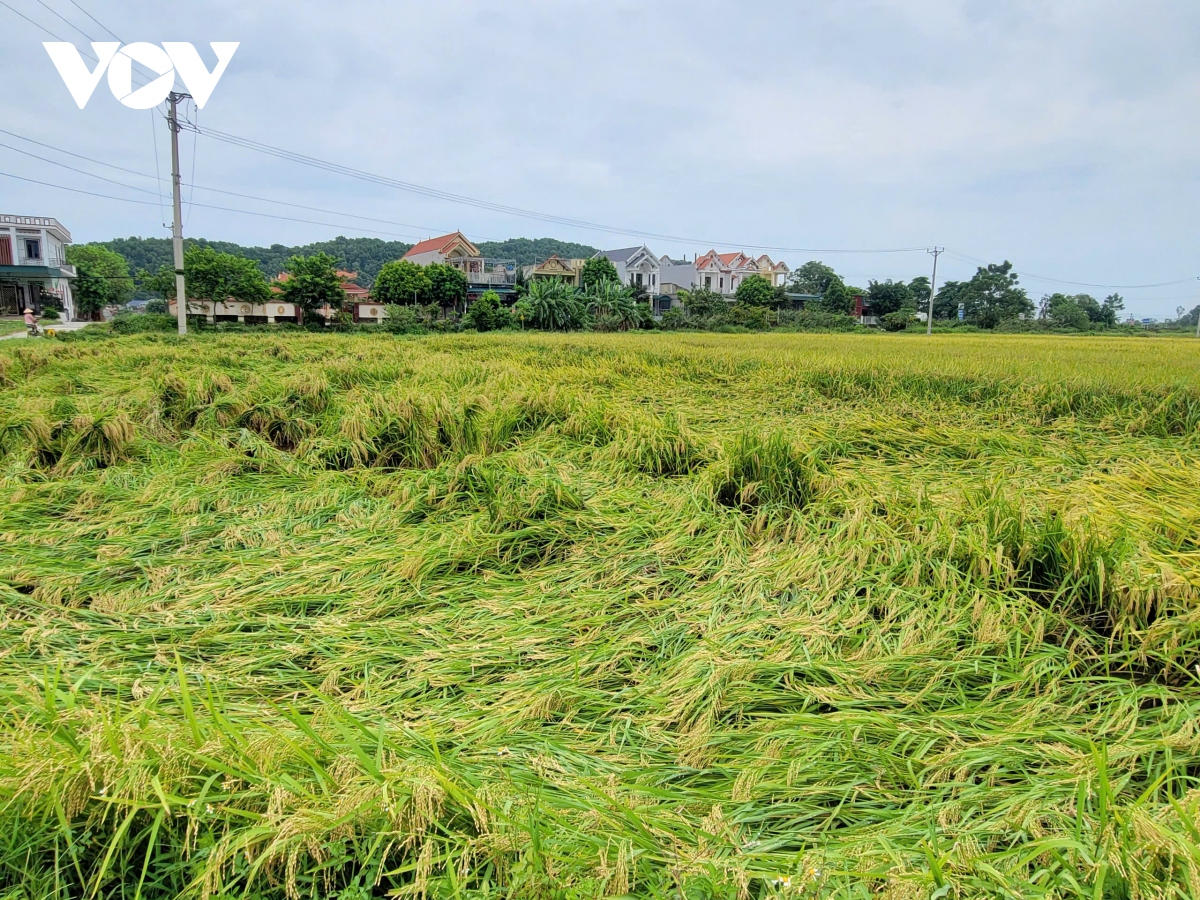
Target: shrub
[898, 320]
[487, 314]
[754, 318]
[816, 320]
[135, 324]
[673, 319]
[50, 315]
[403, 320]
[156, 307]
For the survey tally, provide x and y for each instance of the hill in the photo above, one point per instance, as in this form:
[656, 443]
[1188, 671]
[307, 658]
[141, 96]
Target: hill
[527, 251]
[363, 255]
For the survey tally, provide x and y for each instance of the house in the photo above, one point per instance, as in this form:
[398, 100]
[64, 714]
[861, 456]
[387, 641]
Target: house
[34, 273]
[483, 274]
[724, 272]
[676, 275]
[636, 267]
[568, 271]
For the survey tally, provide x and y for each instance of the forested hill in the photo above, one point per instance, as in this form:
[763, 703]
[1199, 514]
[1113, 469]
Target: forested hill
[527, 251]
[363, 255]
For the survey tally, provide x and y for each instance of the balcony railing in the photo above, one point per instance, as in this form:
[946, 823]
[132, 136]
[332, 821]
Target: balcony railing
[487, 271]
[33, 222]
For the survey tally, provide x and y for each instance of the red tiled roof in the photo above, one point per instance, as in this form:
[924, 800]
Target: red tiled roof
[437, 244]
[728, 258]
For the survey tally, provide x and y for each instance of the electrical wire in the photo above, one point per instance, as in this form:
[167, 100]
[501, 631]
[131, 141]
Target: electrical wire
[244, 212]
[69, 23]
[421, 229]
[94, 19]
[434, 193]
[962, 257]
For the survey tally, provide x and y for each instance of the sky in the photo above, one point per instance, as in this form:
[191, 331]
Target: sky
[1059, 134]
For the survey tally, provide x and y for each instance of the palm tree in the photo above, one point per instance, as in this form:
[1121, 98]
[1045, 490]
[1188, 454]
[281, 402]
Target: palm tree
[552, 306]
[612, 304]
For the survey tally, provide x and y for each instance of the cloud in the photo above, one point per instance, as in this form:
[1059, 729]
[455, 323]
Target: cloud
[1060, 136]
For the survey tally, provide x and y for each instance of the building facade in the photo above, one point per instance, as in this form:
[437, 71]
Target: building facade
[636, 267]
[725, 272]
[483, 274]
[568, 271]
[34, 273]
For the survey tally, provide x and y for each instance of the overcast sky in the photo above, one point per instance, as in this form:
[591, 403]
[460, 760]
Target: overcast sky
[1059, 134]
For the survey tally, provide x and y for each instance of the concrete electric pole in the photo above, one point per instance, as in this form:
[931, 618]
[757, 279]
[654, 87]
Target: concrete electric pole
[935, 252]
[177, 226]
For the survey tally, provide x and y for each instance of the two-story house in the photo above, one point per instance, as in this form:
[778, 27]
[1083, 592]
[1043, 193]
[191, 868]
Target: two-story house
[636, 267]
[554, 267]
[483, 274]
[724, 272]
[33, 267]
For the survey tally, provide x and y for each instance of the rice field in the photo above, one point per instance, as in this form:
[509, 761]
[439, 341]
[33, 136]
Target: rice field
[568, 616]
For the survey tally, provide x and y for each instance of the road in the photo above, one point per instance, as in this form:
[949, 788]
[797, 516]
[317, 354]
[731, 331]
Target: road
[57, 326]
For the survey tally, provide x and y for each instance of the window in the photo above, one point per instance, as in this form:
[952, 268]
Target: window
[33, 248]
[708, 282]
[639, 279]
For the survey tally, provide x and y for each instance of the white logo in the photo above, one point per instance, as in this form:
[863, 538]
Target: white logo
[165, 61]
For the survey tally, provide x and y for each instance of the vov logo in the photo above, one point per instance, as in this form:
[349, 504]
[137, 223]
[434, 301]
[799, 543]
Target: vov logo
[166, 61]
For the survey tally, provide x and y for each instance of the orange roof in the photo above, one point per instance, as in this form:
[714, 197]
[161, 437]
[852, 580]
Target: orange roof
[728, 258]
[437, 244]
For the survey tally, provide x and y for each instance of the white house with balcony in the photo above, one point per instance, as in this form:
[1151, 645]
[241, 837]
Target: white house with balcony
[483, 274]
[33, 266]
[636, 267]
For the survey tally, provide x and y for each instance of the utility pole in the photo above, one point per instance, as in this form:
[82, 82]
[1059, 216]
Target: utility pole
[177, 226]
[935, 253]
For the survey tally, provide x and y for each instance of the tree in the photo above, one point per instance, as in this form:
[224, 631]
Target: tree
[993, 296]
[756, 291]
[313, 283]
[212, 275]
[598, 269]
[102, 278]
[836, 298]
[612, 306]
[945, 305]
[447, 286]
[401, 282]
[156, 307]
[552, 307]
[702, 303]
[919, 288]
[1065, 311]
[1111, 309]
[889, 296]
[487, 314]
[813, 278]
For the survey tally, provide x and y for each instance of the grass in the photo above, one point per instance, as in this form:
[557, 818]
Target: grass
[11, 326]
[578, 616]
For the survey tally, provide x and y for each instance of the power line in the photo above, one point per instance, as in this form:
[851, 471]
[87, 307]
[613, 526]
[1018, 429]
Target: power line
[325, 165]
[962, 257]
[334, 212]
[94, 19]
[244, 212]
[69, 23]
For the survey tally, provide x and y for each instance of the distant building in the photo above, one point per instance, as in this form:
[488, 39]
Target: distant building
[725, 272]
[483, 274]
[34, 273]
[636, 267]
[676, 275]
[568, 271]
